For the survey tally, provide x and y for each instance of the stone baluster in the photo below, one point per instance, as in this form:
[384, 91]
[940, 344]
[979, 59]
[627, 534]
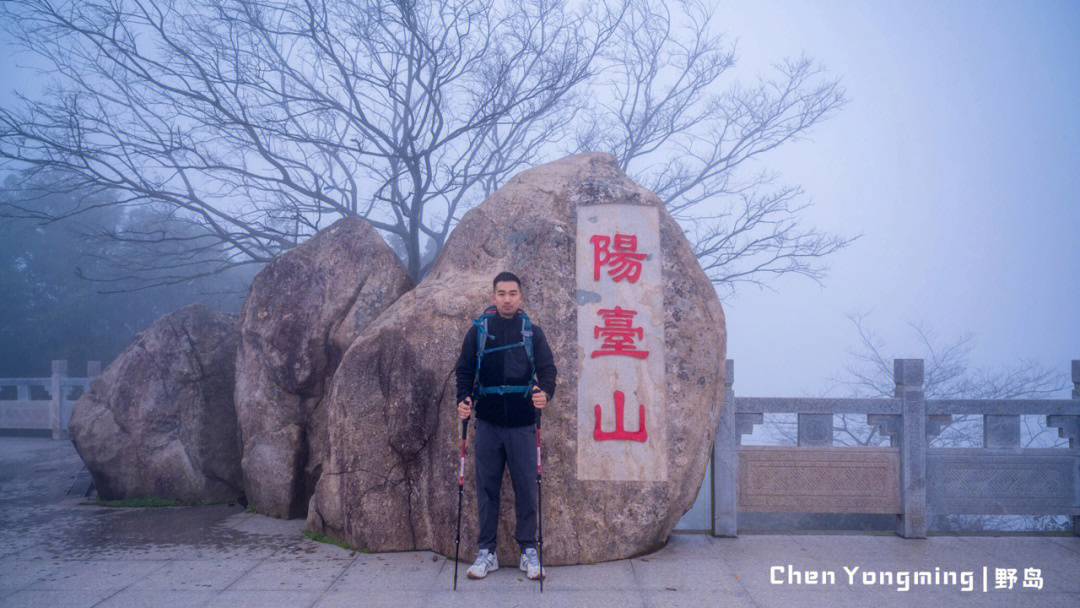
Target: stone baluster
[1001, 431]
[56, 395]
[725, 462]
[815, 429]
[908, 374]
[732, 427]
[1069, 426]
[1075, 442]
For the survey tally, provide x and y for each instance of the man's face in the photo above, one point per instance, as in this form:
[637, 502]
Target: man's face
[507, 298]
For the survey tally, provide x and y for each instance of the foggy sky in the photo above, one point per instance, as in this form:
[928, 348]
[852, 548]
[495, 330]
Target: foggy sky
[957, 158]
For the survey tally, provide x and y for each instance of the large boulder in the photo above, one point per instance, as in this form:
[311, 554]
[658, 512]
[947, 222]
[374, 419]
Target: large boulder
[159, 421]
[391, 479]
[303, 311]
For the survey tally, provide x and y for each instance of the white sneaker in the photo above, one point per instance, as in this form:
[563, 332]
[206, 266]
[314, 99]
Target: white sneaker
[486, 561]
[530, 564]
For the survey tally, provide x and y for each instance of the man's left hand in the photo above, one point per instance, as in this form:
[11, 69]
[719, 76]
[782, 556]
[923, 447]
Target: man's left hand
[539, 399]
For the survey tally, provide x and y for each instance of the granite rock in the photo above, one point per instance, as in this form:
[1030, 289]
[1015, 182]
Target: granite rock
[159, 421]
[390, 481]
[303, 312]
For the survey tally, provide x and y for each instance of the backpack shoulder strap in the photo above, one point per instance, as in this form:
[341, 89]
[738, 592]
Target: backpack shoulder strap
[527, 339]
[481, 324]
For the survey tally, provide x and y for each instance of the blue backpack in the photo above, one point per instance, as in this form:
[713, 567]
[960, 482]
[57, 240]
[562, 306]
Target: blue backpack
[481, 324]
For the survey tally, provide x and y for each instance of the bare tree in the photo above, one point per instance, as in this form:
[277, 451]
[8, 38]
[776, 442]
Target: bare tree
[676, 130]
[261, 121]
[265, 120]
[947, 374]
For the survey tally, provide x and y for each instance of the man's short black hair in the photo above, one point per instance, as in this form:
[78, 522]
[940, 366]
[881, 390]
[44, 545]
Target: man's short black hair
[506, 276]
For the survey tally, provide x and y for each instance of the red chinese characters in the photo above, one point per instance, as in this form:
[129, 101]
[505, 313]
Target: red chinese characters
[620, 431]
[619, 334]
[621, 255]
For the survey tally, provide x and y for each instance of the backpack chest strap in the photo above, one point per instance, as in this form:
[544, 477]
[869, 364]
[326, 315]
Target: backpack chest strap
[481, 339]
[498, 348]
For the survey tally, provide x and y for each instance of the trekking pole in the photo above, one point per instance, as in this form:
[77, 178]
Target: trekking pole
[460, 493]
[539, 504]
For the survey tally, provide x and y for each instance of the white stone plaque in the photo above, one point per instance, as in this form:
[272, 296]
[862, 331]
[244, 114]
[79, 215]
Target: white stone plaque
[622, 404]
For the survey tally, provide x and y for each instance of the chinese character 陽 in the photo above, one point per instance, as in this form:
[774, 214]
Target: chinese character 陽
[618, 333]
[621, 255]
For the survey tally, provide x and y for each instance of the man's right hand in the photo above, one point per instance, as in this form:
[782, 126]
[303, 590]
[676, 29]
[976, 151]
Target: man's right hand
[464, 409]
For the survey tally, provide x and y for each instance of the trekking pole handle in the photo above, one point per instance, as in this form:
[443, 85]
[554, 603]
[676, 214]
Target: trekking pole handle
[539, 411]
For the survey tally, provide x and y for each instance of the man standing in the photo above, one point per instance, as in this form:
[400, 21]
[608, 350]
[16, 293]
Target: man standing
[514, 374]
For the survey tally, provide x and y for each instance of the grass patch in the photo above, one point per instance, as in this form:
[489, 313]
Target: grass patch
[149, 501]
[330, 540]
[138, 502]
[250, 509]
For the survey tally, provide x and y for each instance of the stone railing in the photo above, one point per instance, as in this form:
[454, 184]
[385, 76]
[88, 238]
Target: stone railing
[906, 478]
[49, 416]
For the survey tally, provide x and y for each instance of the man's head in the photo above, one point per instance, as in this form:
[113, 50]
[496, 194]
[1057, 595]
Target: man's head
[506, 294]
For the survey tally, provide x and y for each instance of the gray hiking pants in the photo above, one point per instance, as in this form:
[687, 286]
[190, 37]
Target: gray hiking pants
[496, 448]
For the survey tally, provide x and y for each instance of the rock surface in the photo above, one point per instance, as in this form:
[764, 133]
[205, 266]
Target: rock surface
[159, 421]
[391, 479]
[303, 311]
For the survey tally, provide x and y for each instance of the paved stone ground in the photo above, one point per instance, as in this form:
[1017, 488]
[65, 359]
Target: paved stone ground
[56, 550]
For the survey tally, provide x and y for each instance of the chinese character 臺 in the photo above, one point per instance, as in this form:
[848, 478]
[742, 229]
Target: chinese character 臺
[619, 333]
[621, 255]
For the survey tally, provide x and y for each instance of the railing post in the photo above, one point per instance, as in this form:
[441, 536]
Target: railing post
[1076, 442]
[908, 374]
[59, 370]
[725, 465]
[1068, 427]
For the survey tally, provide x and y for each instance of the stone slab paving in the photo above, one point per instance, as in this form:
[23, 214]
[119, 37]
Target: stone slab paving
[62, 551]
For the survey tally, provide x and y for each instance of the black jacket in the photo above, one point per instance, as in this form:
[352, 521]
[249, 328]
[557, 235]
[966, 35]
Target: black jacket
[505, 367]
